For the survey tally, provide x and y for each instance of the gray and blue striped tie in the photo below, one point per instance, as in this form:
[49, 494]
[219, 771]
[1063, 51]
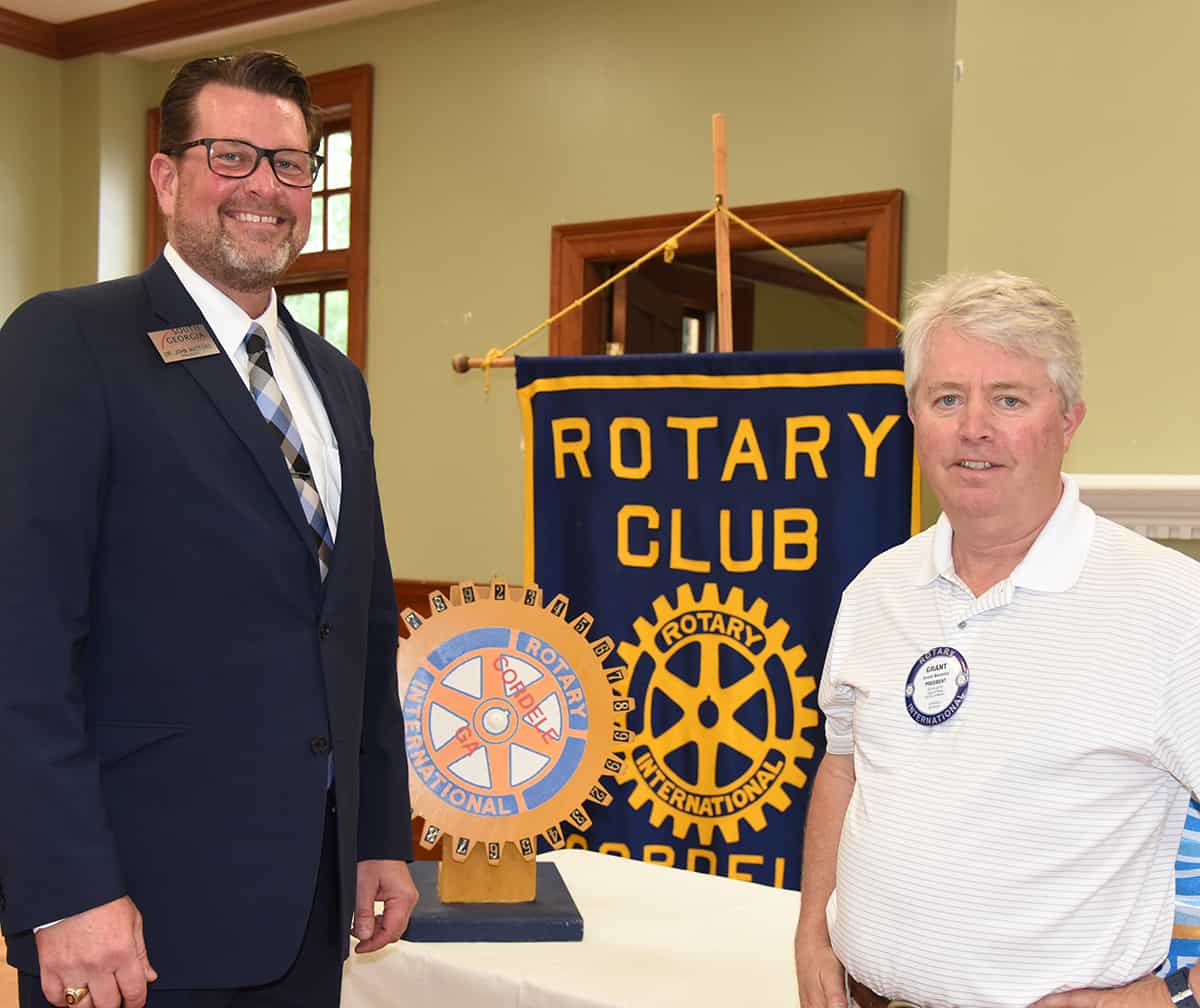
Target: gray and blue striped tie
[274, 408]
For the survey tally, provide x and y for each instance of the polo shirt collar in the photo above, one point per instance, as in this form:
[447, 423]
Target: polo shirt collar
[1052, 564]
[227, 320]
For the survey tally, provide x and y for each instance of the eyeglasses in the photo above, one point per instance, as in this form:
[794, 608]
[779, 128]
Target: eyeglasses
[238, 159]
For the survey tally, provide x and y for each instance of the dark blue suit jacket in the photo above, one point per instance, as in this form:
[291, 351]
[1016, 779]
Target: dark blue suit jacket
[173, 672]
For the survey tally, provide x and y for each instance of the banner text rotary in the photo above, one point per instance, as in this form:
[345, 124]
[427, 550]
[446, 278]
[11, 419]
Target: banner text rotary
[631, 446]
[690, 448]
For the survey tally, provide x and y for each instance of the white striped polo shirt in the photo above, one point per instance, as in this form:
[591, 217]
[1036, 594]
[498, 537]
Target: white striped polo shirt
[1027, 844]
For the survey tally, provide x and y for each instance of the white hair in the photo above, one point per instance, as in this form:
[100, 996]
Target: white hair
[1013, 312]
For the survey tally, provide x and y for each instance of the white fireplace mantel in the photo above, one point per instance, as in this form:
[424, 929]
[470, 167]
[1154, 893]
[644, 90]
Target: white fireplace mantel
[1158, 506]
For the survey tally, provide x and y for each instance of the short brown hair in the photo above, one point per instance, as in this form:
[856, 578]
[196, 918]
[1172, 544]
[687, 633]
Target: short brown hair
[268, 73]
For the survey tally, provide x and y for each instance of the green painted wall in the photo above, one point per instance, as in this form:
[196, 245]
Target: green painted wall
[1074, 147]
[72, 170]
[786, 319]
[496, 120]
[30, 175]
[80, 156]
[123, 173]
[1066, 152]
[1189, 546]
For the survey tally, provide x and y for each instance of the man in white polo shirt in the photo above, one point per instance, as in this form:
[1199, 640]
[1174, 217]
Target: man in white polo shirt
[1012, 701]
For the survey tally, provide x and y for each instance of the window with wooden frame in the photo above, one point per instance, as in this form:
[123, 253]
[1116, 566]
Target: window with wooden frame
[326, 288]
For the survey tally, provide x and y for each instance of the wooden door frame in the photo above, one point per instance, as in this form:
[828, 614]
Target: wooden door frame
[578, 250]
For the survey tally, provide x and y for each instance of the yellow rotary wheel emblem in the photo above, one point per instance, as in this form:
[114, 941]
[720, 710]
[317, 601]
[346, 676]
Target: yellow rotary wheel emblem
[721, 716]
[510, 718]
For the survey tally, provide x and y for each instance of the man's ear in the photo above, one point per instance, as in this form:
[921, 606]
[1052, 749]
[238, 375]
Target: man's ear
[1071, 421]
[164, 176]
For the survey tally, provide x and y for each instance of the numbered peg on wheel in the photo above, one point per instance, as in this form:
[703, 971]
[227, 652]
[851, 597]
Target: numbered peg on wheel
[462, 848]
[599, 795]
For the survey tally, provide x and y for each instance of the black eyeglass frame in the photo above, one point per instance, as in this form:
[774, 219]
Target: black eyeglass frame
[260, 152]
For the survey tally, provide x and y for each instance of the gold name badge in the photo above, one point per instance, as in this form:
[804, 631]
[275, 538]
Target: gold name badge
[183, 343]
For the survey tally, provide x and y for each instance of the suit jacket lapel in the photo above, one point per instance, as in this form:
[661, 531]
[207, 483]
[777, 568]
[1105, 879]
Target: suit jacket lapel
[217, 376]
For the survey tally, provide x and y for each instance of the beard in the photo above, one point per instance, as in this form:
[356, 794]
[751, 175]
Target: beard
[233, 263]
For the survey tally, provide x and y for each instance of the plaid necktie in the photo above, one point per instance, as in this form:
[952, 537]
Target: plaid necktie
[274, 408]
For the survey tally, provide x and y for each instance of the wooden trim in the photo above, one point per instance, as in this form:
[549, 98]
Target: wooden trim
[30, 34]
[319, 264]
[873, 217]
[141, 25]
[352, 88]
[165, 20]
[359, 84]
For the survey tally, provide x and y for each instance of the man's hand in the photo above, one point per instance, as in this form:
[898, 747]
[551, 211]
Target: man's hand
[1148, 992]
[391, 882]
[101, 949]
[819, 976]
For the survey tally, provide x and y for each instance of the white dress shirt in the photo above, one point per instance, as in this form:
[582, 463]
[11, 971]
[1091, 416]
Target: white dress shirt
[229, 325]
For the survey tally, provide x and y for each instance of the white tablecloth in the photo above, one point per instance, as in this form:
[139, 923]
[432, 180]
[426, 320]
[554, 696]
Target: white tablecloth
[652, 936]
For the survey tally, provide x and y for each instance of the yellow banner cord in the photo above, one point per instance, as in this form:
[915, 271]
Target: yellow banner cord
[811, 268]
[668, 248]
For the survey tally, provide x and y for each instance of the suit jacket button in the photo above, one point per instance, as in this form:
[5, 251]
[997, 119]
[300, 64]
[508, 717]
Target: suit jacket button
[319, 745]
[325, 630]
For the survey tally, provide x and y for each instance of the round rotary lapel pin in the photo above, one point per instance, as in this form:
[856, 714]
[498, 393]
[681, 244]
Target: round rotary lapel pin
[936, 686]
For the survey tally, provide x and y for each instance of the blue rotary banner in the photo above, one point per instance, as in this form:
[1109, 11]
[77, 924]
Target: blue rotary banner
[708, 510]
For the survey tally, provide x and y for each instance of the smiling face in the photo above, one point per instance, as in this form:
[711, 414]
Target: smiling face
[239, 234]
[990, 436]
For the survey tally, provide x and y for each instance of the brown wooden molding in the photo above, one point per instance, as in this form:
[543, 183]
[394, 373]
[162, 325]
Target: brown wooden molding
[163, 20]
[412, 594]
[353, 88]
[141, 25]
[577, 249]
[30, 34]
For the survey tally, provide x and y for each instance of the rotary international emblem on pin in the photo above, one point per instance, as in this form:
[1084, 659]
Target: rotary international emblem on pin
[936, 686]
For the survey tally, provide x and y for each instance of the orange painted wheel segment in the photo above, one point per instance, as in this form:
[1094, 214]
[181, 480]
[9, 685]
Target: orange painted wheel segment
[510, 716]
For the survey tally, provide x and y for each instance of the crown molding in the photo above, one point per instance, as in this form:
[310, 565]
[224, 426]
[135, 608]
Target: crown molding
[1158, 506]
[141, 25]
[23, 32]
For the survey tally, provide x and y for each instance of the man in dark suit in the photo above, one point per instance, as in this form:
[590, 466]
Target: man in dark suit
[202, 763]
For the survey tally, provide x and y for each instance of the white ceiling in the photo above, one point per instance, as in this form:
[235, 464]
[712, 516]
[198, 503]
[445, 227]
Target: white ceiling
[57, 11]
